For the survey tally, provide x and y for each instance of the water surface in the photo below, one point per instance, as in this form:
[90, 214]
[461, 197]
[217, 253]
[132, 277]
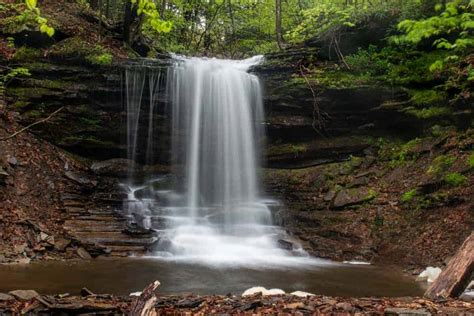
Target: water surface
[123, 276]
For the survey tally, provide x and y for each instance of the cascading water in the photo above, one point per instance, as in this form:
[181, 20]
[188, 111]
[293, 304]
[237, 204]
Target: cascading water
[214, 214]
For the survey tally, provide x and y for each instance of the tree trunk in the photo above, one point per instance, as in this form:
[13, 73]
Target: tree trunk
[207, 31]
[163, 8]
[454, 279]
[127, 22]
[279, 37]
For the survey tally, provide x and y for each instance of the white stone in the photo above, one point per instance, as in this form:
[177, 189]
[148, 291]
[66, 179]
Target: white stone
[264, 291]
[301, 294]
[274, 292]
[430, 274]
[254, 290]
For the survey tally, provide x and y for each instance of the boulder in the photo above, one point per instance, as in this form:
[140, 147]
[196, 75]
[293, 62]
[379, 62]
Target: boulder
[430, 274]
[285, 244]
[24, 295]
[348, 197]
[118, 167]
[301, 294]
[263, 291]
[61, 244]
[81, 252]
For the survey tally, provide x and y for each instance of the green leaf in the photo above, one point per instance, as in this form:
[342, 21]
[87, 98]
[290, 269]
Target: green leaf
[31, 4]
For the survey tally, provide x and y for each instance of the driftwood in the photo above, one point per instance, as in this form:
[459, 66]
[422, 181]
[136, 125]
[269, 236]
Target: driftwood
[144, 305]
[453, 280]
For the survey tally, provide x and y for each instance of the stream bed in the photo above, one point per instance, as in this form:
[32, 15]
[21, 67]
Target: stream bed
[123, 276]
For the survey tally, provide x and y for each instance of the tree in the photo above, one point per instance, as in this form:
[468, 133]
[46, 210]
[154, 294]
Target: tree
[279, 36]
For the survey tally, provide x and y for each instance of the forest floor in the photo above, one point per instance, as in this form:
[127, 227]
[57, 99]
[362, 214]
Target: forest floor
[30, 302]
[32, 178]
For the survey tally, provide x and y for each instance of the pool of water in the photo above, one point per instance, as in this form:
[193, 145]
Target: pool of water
[123, 276]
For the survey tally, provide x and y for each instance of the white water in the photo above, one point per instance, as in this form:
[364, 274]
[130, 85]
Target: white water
[214, 214]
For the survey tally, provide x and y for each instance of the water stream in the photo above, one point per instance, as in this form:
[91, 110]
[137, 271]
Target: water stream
[213, 213]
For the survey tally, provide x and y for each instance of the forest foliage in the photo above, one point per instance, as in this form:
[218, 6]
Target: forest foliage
[426, 43]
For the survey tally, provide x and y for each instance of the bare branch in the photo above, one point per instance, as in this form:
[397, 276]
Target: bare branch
[317, 116]
[32, 124]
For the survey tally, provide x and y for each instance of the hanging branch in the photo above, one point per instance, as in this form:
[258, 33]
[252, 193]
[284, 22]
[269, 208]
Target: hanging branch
[317, 115]
[32, 124]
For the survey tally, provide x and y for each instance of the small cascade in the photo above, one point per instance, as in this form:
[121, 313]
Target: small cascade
[210, 210]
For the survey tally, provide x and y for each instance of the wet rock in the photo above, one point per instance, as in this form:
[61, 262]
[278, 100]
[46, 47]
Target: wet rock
[285, 244]
[133, 229]
[6, 297]
[80, 179]
[115, 167]
[61, 244]
[406, 312]
[83, 254]
[24, 295]
[348, 197]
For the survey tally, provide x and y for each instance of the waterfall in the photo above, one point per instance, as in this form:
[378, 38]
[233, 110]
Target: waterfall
[213, 211]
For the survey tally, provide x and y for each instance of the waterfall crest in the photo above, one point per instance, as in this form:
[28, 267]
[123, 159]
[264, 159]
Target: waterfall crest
[212, 212]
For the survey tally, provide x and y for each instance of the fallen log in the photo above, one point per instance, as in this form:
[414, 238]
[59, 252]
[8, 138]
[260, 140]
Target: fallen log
[454, 279]
[144, 305]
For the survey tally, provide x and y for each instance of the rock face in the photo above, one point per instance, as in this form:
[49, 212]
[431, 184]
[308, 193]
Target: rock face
[92, 123]
[115, 167]
[330, 125]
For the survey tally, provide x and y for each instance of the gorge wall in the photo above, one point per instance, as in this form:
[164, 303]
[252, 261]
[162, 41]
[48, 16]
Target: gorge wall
[341, 154]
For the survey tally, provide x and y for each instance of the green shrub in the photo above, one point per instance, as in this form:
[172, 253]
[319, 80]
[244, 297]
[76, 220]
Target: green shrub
[427, 97]
[104, 59]
[409, 195]
[431, 112]
[455, 179]
[441, 164]
[470, 160]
